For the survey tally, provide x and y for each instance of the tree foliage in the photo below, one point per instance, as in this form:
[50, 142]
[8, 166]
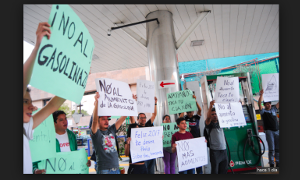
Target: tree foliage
[84, 112]
[64, 107]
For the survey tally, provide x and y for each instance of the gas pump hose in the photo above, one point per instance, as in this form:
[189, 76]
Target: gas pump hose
[229, 156]
[252, 145]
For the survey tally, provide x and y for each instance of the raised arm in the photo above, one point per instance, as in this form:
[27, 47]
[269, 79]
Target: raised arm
[261, 92]
[277, 105]
[181, 115]
[127, 146]
[155, 112]
[46, 111]
[208, 118]
[132, 119]
[198, 106]
[95, 114]
[42, 30]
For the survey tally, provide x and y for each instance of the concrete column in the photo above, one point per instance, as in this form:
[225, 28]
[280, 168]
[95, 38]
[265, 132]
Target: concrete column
[163, 64]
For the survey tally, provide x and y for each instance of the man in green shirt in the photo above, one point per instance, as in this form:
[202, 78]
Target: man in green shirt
[65, 139]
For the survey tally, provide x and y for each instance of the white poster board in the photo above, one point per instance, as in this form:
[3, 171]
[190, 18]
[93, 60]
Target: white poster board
[146, 143]
[115, 98]
[191, 153]
[145, 96]
[270, 84]
[230, 114]
[227, 90]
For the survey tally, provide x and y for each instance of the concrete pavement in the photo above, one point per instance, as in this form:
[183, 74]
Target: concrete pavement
[125, 163]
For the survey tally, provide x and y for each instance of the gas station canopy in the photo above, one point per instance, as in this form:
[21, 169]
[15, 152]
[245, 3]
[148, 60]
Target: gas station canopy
[228, 30]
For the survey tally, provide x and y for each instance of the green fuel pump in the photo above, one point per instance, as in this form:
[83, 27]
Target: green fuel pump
[243, 143]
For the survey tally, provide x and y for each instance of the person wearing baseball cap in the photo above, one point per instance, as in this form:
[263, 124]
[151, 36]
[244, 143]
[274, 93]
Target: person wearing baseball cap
[104, 141]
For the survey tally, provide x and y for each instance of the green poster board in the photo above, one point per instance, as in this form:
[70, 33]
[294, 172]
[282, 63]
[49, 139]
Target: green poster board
[73, 162]
[63, 62]
[43, 144]
[169, 129]
[181, 101]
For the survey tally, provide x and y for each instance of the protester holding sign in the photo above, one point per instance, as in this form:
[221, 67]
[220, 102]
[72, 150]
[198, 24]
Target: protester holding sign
[271, 127]
[169, 157]
[180, 135]
[216, 141]
[137, 167]
[104, 141]
[30, 122]
[65, 139]
[141, 119]
[194, 125]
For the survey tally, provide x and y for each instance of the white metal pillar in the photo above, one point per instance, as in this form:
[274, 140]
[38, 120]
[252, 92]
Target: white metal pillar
[162, 62]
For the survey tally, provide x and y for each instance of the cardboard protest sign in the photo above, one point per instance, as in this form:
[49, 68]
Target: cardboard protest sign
[270, 84]
[181, 101]
[43, 144]
[145, 96]
[115, 98]
[73, 162]
[191, 153]
[227, 90]
[146, 143]
[230, 114]
[63, 62]
[169, 129]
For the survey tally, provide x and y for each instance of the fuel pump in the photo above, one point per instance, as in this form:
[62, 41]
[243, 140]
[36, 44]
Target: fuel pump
[243, 143]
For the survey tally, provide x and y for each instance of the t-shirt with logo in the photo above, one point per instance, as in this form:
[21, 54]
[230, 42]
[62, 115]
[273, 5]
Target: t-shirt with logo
[194, 124]
[64, 143]
[105, 148]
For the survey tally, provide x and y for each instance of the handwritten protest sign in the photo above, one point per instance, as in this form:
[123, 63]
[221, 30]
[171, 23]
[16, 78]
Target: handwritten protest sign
[270, 84]
[73, 162]
[230, 114]
[146, 143]
[63, 62]
[181, 101]
[169, 129]
[115, 98]
[191, 153]
[43, 144]
[227, 90]
[145, 96]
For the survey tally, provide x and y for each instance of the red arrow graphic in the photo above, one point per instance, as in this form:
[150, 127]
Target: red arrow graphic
[162, 84]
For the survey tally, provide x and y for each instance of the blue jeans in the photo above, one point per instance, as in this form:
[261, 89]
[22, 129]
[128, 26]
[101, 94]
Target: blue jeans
[272, 138]
[109, 171]
[150, 166]
[190, 171]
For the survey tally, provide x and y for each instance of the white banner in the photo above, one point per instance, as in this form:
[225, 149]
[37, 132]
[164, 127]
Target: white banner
[146, 143]
[227, 90]
[270, 84]
[145, 96]
[191, 153]
[115, 98]
[230, 114]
